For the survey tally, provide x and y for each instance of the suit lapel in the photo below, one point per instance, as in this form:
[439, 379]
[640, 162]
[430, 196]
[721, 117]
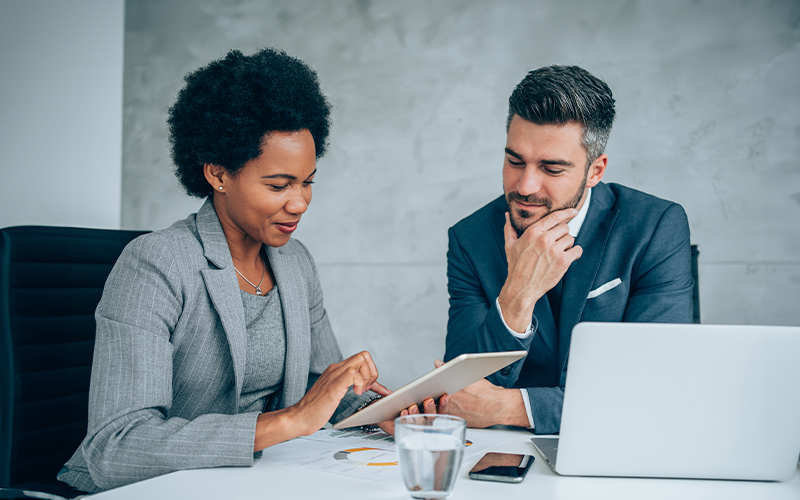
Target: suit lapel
[294, 301]
[498, 222]
[581, 274]
[547, 324]
[542, 311]
[223, 288]
[224, 293]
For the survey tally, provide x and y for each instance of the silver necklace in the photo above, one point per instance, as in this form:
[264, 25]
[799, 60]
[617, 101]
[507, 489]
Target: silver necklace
[257, 287]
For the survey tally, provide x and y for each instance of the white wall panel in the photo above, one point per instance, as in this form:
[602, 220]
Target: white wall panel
[61, 112]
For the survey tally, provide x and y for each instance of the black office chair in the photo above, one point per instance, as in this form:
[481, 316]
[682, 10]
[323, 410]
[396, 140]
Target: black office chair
[51, 279]
[696, 291]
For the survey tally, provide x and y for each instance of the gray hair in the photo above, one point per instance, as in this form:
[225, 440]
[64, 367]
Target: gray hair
[557, 95]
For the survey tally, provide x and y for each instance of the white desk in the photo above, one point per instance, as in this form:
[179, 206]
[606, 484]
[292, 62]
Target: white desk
[267, 481]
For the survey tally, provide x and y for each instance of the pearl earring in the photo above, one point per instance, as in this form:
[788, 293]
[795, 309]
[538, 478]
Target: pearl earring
[220, 188]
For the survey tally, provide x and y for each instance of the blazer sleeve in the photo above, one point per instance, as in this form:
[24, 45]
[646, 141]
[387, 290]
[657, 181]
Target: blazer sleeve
[129, 435]
[662, 283]
[546, 403]
[474, 323]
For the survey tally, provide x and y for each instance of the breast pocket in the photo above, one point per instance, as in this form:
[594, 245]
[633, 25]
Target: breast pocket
[606, 304]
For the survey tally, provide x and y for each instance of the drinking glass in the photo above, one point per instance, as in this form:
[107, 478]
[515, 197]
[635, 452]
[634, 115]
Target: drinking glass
[430, 448]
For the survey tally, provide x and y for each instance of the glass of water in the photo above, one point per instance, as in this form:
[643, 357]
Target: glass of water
[430, 449]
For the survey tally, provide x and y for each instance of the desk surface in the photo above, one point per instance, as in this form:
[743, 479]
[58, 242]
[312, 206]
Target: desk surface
[268, 480]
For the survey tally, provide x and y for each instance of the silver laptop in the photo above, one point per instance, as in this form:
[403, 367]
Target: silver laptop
[681, 401]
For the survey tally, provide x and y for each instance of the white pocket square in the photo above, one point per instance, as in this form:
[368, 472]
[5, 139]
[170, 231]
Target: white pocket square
[604, 288]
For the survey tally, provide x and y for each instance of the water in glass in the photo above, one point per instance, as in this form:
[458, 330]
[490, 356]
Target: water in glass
[430, 463]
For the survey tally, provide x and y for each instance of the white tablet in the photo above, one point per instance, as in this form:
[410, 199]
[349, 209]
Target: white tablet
[449, 378]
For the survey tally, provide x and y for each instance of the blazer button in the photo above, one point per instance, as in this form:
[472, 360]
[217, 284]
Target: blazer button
[505, 371]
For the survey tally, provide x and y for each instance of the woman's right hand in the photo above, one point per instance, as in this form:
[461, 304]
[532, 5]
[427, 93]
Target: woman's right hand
[319, 403]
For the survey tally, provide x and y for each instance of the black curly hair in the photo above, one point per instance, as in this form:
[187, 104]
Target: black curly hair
[227, 108]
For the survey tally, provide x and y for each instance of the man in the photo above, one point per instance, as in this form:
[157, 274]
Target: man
[559, 247]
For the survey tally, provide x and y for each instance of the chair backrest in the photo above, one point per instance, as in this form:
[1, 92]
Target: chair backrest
[51, 279]
[696, 291]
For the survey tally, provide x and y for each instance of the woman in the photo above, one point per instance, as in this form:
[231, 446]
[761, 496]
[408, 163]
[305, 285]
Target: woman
[212, 340]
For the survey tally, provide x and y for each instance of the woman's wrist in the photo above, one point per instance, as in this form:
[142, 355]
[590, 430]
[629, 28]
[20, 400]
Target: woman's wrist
[276, 427]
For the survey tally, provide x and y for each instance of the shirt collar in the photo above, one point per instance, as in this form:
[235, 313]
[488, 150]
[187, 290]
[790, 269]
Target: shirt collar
[575, 224]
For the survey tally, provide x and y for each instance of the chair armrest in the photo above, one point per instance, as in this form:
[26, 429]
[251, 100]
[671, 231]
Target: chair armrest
[17, 493]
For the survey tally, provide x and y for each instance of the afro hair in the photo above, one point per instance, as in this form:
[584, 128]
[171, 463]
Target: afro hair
[229, 107]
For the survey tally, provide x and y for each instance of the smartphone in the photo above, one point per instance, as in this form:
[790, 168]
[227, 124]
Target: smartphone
[503, 467]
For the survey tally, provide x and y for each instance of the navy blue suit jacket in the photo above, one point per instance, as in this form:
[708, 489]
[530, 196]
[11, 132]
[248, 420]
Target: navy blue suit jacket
[627, 234]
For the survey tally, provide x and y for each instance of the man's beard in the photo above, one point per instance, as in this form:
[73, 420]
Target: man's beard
[534, 200]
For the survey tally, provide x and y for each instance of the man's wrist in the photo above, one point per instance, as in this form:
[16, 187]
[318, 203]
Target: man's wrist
[516, 314]
[512, 411]
[522, 336]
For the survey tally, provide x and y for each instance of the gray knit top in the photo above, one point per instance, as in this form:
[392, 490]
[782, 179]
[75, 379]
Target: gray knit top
[266, 349]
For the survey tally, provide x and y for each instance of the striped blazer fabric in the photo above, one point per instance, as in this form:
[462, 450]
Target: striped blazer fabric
[169, 358]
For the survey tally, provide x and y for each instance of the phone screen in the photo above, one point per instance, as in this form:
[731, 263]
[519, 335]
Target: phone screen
[506, 467]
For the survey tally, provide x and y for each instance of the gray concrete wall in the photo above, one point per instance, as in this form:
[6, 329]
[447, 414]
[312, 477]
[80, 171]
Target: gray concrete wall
[61, 112]
[708, 116]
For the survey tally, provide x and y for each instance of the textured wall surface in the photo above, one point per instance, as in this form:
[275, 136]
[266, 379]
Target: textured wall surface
[708, 116]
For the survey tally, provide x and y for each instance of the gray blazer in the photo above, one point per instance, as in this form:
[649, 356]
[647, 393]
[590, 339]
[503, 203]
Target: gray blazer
[169, 358]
